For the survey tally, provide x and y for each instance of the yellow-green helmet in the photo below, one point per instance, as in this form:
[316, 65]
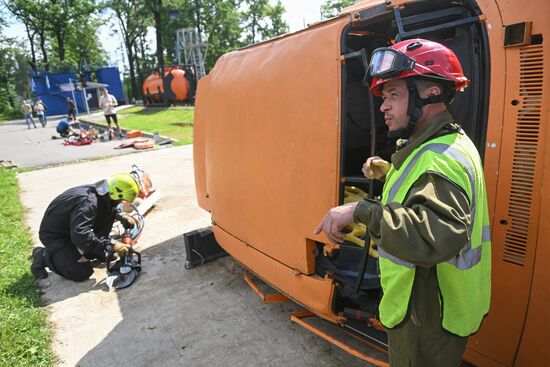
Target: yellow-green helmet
[123, 186]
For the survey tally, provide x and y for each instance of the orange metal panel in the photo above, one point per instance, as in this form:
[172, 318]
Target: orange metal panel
[534, 349]
[199, 143]
[479, 344]
[273, 131]
[496, 99]
[515, 223]
[312, 292]
[536, 11]
[298, 317]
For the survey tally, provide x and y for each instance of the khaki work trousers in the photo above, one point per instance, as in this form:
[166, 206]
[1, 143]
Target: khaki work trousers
[421, 341]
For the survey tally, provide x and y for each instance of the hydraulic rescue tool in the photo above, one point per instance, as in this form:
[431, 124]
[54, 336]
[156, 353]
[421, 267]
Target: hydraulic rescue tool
[122, 272]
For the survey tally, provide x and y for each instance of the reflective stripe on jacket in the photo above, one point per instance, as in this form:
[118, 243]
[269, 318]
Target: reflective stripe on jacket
[464, 280]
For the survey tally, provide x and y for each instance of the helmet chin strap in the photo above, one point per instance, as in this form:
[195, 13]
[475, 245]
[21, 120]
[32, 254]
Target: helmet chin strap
[414, 110]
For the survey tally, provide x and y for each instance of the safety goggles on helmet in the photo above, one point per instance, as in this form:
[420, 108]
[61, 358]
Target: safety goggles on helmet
[387, 62]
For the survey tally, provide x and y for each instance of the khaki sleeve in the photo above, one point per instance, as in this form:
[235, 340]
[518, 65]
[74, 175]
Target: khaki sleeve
[430, 227]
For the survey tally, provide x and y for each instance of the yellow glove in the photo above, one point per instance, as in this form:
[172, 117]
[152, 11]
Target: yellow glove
[121, 249]
[127, 221]
[353, 194]
[357, 230]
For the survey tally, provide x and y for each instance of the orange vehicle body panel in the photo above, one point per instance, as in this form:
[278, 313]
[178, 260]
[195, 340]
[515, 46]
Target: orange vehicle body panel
[254, 164]
[254, 159]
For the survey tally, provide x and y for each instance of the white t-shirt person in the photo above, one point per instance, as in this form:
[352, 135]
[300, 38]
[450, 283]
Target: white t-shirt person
[107, 102]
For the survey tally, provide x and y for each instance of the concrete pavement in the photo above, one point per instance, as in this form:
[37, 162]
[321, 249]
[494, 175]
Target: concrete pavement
[171, 316]
[36, 148]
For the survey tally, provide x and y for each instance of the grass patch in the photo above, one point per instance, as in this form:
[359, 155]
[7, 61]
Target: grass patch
[175, 122]
[25, 339]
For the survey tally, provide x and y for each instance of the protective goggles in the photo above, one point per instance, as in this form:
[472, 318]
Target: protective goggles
[387, 62]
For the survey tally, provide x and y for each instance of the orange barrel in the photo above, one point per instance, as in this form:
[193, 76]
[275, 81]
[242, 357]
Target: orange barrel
[179, 86]
[153, 86]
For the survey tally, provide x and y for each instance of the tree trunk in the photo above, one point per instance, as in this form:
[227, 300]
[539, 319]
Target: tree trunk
[42, 37]
[31, 42]
[60, 44]
[131, 60]
[158, 28]
[139, 72]
[198, 18]
[254, 25]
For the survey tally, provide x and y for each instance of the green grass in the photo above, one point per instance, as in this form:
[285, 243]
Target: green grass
[25, 339]
[175, 122]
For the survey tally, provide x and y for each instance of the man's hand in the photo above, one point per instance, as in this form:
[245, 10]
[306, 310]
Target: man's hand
[127, 221]
[375, 168]
[121, 249]
[335, 220]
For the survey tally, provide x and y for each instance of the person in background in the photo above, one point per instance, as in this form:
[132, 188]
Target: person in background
[76, 227]
[66, 127]
[26, 108]
[71, 108]
[40, 112]
[45, 108]
[108, 102]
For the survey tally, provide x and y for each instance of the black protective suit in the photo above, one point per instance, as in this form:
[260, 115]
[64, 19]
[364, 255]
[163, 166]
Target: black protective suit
[76, 223]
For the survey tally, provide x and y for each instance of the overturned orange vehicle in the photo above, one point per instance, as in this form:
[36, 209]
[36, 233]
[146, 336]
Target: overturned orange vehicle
[283, 127]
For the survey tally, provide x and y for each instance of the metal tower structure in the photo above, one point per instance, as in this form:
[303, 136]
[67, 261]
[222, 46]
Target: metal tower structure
[194, 51]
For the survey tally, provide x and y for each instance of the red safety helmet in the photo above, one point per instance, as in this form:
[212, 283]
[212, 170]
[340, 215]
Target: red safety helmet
[415, 57]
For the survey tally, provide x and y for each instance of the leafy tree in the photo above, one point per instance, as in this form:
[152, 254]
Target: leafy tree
[14, 76]
[262, 20]
[82, 46]
[278, 26]
[220, 22]
[132, 17]
[157, 9]
[32, 15]
[64, 17]
[332, 8]
[216, 21]
[64, 27]
[253, 18]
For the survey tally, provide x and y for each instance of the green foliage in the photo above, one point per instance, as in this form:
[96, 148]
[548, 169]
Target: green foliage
[24, 335]
[217, 22]
[332, 8]
[14, 79]
[278, 25]
[221, 25]
[71, 25]
[133, 18]
[262, 20]
[61, 33]
[80, 47]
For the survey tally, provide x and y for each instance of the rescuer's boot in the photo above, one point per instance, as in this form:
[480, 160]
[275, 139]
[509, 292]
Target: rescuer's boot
[38, 266]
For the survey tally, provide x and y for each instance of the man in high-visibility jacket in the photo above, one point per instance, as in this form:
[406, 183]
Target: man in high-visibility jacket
[431, 226]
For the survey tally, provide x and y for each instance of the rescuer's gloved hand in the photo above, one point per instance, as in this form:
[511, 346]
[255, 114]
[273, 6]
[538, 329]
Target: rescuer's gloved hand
[120, 248]
[355, 233]
[127, 221]
[375, 168]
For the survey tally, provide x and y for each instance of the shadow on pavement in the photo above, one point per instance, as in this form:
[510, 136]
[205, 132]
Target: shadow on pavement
[207, 316]
[55, 288]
